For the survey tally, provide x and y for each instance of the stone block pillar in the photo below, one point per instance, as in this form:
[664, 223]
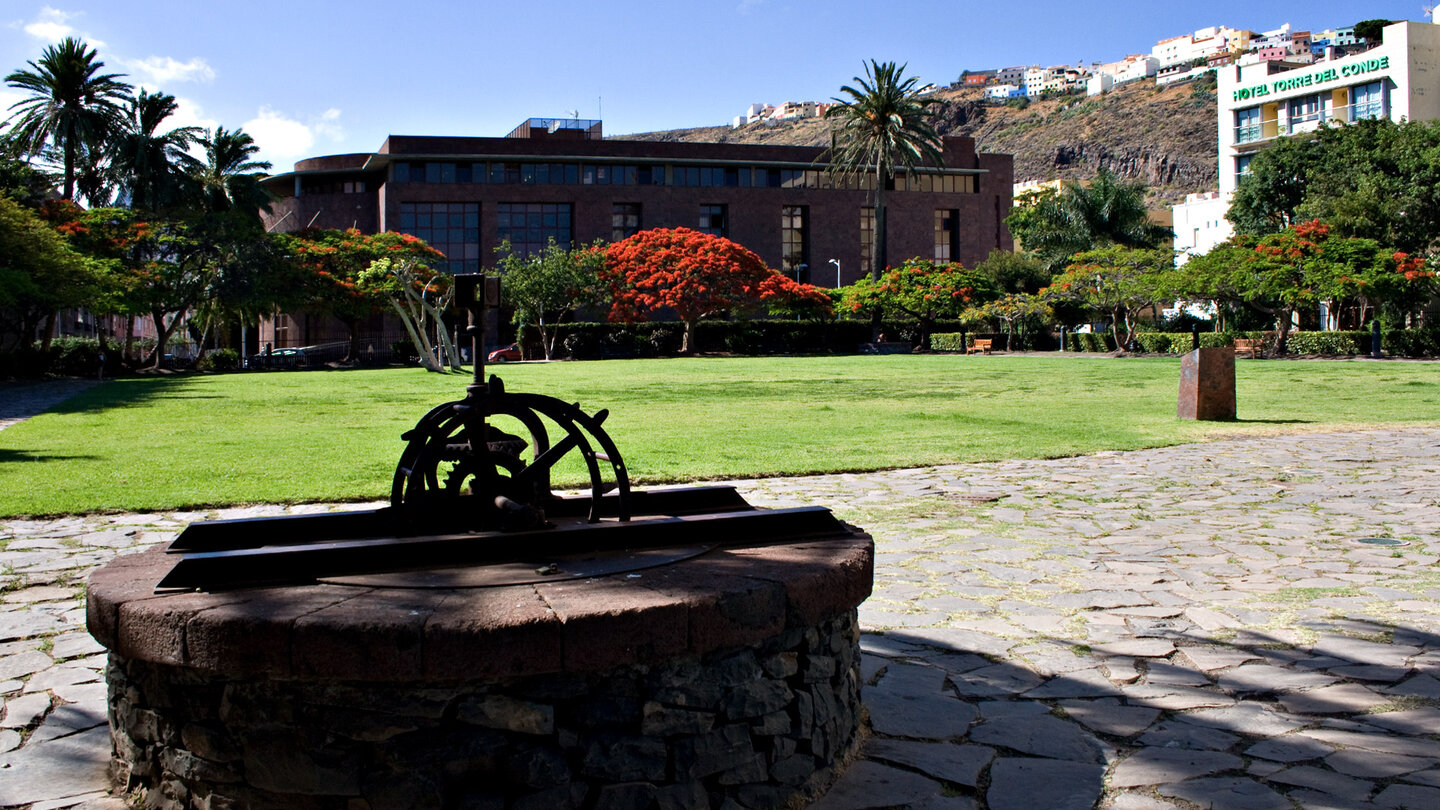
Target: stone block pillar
[1207, 385]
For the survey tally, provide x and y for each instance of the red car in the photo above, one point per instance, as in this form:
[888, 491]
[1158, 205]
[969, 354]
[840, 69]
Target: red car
[508, 354]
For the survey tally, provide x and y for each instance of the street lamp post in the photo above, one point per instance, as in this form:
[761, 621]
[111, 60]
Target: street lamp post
[800, 269]
[836, 262]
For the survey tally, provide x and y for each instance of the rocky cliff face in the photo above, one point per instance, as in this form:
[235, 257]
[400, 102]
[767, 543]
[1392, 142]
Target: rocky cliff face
[1162, 137]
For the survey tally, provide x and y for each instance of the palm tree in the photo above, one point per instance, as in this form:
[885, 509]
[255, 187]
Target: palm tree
[152, 168]
[229, 178]
[1078, 219]
[881, 124]
[71, 105]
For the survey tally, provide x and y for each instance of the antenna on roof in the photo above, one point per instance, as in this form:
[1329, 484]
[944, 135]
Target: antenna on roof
[1428, 11]
[573, 113]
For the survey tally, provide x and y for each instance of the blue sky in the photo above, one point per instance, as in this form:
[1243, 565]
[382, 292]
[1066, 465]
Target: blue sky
[314, 77]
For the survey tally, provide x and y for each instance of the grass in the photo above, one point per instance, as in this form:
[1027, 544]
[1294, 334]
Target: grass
[185, 441]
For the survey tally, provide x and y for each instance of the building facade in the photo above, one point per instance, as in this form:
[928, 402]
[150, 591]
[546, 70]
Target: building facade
[560, 179]
[1263, 101]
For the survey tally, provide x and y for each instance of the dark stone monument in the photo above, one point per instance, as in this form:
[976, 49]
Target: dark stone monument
[1375, 340]
[1207, 385]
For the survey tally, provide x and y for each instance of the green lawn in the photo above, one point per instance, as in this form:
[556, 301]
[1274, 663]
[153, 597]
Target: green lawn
[161, 443]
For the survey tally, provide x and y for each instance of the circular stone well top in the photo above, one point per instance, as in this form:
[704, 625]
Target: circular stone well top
[727, 597]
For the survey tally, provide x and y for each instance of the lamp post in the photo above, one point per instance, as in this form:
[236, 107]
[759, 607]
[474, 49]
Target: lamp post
[800, 269]
[836, 262]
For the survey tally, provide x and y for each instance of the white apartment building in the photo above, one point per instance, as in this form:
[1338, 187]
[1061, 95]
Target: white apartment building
[1202, 44]
[1258, 103]
[1011, 75]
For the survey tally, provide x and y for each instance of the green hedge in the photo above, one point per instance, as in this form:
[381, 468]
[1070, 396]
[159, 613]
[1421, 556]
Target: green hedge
[220, 360]
[1179, 342]
[594, 341]
[949, 342]
[1328, 343]
[1100, 342]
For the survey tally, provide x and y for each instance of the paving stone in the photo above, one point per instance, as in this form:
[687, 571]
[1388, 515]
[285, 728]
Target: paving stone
[1431, 778]
[1209, 659]
[1025, 784]
[1155, 766]
[1378, 764]
[23, 711]
[1174, 698]
[23, 664]
[995, 680]
[1248, 719]
[1231, 793]
[1263, 679]
[1411, 797]
[1361, 651]
[1345, 698]
[69, 766]
[1176, 733]
[1109, 716]
[1041, 735]
[868, 784]
[1084, 683]
[1290, 749]
[1384, 743]
[957, 764]
[1423, 686]
[1412, 721]
[934, 717]
[1324, 781]
[1133, 801]
[1168, 674]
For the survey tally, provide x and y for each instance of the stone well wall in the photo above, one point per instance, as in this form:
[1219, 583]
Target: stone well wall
[728, 680]
[757, 724]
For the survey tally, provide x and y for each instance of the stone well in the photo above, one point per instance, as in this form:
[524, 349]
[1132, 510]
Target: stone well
[728, 679]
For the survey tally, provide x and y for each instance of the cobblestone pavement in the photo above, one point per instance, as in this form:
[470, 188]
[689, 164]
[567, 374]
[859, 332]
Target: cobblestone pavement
[1195, 626]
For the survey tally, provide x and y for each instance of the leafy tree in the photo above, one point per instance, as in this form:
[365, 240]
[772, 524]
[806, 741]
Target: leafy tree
[1116, 281]
[152, 168]
[1372, 31]
[335, 260]
[1373, 179]
[22, 182]
[923, 291]
[403, 283]
[696, 275]
[1282, 273]
[72, 106]
[1080, 218]
[548, 287]
[1019, 313]
[879, 124]
[39, 274]
[230, 177]
[1014, 272]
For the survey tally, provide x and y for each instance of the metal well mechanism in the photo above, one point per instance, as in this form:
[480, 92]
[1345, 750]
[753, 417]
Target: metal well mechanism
[467, 493]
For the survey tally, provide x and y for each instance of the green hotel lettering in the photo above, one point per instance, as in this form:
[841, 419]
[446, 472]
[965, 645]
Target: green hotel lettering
[1318, 77]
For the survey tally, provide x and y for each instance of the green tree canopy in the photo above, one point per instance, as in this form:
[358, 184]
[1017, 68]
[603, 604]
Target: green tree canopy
[1081, 218]
[881, 123]
[549, 286]
[71, 106]
[1116, 281]
[39, 274]
[922, 291]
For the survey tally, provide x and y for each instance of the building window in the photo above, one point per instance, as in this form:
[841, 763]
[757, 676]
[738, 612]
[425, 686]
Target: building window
[713, 220]
[1304, 110]
[795, 242]
[624, 220]
[1247, 125]
[947, 235]
[867, 238]
[1242, 167]
[451, 228]
[530, 226]
[1368, 101]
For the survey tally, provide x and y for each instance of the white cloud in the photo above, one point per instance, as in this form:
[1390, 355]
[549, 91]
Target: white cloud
[747, 5]
[328, 125]
[162, 70]
[51, 25]
[189, 114]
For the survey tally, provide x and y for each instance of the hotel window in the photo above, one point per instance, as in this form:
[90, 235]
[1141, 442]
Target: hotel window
[867, 238]
[530, 226]
[1368, 101]
[451, 228]
[1247, 125]
[624, 220]
[795, 242]
[713, 220]
[1304, 109]
[947, 235]
[1242, 167]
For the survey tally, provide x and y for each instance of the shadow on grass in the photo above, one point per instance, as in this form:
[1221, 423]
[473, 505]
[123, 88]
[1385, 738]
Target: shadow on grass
[9, 456]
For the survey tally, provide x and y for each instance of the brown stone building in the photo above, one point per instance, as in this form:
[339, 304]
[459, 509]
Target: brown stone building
[558, 178]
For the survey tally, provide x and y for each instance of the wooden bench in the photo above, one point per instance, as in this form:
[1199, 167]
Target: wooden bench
[1250, 346]
[979, 346]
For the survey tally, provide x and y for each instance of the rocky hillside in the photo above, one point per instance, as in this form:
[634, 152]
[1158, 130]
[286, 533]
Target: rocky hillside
[1164, 137]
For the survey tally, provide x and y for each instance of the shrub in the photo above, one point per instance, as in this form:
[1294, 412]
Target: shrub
[1328, 342]
[403, 351]
[220, 360]
[1411, 342]
[74, 357]
[1099, 342]
[948, 342]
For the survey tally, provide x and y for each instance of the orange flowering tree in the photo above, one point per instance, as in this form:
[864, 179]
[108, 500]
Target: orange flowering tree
[695, 275]
[1280, 273]
[335, 261]
[922, 291]
[1117, 282]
